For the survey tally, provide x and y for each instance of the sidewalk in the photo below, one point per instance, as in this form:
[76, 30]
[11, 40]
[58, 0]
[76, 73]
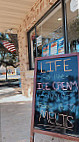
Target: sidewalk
[15, 118]
[9, 83]
[8, 95]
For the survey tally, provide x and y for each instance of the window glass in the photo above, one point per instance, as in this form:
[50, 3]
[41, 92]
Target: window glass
[50, 34]
[48, 39]
[73, 24]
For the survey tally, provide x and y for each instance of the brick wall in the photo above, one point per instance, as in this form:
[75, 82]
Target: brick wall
[36, 12]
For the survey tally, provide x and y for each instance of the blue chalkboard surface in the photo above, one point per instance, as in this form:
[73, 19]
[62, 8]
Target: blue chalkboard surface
[56, 97]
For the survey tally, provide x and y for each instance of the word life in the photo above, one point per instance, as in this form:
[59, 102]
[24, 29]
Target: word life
[53, 66]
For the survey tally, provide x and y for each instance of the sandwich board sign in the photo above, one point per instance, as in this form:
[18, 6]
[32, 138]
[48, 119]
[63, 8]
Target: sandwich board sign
[55, 110]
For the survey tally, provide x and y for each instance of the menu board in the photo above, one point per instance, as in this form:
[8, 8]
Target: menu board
[56, 95]
[53, 48]
[60, 46]
[45, 50]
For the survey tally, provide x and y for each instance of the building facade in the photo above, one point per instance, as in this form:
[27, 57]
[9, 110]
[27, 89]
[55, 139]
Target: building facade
[50, 28]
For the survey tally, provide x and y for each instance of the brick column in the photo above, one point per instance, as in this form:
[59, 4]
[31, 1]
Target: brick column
[22, 42]
[26, 74]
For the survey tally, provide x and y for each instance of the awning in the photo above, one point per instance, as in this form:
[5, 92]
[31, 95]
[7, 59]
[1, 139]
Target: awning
[13, 12]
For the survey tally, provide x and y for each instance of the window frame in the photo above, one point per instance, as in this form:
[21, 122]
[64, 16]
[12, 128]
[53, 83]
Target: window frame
[64, 23]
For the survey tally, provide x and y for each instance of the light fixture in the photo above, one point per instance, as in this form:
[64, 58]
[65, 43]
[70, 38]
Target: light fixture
[59, 19]
[9, 31]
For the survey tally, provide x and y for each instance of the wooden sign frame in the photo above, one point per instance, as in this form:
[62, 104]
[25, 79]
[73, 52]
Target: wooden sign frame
[33, 130]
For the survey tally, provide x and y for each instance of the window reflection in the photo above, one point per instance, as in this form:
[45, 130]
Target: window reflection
[51, 31]
[33, 47]
[73, 25]
[48, 39]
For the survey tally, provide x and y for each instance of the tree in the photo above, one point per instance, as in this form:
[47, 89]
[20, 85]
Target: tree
[6, 57]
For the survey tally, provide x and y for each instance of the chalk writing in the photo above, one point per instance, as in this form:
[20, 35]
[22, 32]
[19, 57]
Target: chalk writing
[53, 66]
[56, 99]
[58, 85]
[53, 116]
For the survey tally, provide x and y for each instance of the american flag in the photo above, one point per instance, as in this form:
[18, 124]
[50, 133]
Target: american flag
[10, 46]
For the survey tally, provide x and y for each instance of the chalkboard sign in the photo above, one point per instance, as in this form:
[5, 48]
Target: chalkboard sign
[56, 99]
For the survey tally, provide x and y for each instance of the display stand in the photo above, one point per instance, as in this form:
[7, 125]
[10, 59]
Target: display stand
[52, 114]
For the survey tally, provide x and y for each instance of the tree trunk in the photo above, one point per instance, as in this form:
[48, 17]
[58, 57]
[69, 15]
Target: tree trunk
[6, 73]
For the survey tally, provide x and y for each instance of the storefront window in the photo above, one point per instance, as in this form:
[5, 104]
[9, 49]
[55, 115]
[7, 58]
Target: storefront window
[51, 32]
[47, 37]
[73, 25]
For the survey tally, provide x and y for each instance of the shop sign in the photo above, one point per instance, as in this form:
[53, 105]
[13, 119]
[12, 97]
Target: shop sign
[39, 41]
[74, 5]
[56, 98]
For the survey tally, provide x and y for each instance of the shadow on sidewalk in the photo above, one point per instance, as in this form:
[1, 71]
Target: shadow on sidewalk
[10, 83]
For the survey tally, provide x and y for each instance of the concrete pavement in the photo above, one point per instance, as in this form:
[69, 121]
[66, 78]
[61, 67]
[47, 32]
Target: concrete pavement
[9, 94]
[15, 122]
[15, 118]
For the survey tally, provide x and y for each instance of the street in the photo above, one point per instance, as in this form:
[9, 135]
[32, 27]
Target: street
[3, 77]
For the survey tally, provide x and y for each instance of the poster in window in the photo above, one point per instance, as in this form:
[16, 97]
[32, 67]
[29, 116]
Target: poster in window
[53, 48]
[45, 50]
[39, 41]
[77, 47]
[61, 46]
